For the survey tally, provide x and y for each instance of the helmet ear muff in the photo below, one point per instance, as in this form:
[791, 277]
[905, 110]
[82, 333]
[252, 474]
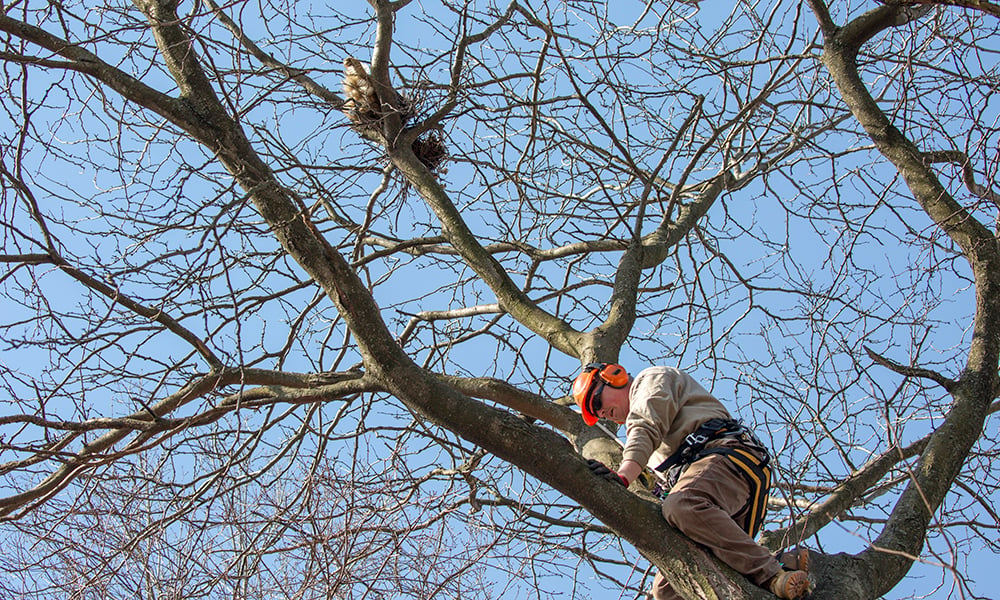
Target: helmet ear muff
[611, 374]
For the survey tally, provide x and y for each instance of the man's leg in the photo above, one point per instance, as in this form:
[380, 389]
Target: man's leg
[662, 589]
[702, 505]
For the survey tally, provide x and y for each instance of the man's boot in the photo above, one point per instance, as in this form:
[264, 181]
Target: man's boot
[795, 560]
[790, 585]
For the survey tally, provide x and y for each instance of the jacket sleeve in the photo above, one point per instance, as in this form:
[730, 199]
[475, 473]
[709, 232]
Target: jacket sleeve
[652, 408]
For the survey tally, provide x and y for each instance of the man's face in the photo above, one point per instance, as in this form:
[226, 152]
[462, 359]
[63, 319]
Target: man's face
[613, 403]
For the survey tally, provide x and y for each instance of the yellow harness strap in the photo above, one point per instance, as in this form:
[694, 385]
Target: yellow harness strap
[758, 475]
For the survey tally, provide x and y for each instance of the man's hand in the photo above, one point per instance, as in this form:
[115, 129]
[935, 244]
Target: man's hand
[598, 468]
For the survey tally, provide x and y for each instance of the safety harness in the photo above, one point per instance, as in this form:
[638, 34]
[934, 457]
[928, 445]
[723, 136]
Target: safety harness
[753, 465]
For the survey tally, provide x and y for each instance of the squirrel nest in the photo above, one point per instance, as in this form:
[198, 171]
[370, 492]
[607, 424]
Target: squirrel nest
[364, 110]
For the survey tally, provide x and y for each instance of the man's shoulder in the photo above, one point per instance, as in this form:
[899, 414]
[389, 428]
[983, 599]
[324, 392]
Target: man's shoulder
[670, 382]
[658, 380]
[661, 373]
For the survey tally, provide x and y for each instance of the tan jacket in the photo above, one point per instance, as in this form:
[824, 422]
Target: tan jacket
[665, 405]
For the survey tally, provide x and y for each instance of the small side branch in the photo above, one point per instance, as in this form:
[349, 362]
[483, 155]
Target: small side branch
[982, 5]
[907, 371]
[297, 75]
[957, 157]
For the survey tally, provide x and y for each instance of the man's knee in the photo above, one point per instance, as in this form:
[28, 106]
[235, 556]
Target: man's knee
[678, 507]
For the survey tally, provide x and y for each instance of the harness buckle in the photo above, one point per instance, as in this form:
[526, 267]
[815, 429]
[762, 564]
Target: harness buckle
[696, 439]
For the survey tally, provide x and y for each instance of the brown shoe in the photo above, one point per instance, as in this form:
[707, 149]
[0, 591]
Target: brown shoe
[795, 560]
[790, 585]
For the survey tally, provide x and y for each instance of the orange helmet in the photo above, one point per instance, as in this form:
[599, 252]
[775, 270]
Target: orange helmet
[591, 381]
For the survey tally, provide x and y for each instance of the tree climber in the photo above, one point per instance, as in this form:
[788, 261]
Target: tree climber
[717, 471]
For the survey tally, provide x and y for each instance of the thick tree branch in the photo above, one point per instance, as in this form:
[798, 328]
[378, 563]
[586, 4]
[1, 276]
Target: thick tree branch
[903, 536]
[843, 497]
[83, 61]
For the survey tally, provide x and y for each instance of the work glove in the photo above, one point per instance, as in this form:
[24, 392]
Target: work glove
[598, 468]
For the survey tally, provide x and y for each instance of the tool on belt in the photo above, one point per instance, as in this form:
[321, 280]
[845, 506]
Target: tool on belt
[754, 465]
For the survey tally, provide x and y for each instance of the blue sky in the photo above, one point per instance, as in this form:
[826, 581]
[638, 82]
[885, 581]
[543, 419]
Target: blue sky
[784, 355]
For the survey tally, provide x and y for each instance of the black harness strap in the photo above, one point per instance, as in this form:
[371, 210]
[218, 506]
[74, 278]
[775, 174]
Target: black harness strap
[693, 443]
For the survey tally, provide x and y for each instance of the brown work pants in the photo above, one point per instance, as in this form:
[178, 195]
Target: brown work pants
[708, 504]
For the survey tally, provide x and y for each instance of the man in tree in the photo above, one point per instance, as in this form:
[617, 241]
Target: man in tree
[718, 469]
